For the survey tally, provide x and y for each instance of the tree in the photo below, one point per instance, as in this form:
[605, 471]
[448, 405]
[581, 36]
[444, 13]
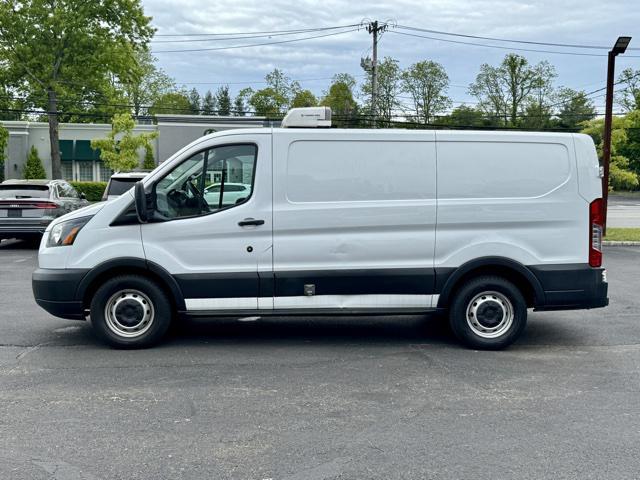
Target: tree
[629, 96]
[621, 173]
[388, 88]
[171, 103]
[503, 91]
[304, 98]
[119, 151]
[224, 100]
[240, 103]
[575, 108]
[149, 162]
[33, 168]
[276, 97]
[194, 102]
[427, 83]
[145, 89]
[464, 116]
[55, 48]
[340, 99]
[209, 104]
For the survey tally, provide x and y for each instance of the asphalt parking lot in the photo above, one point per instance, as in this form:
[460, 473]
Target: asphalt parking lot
[311, 398]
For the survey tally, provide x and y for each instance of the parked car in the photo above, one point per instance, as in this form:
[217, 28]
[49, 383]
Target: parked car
[28, 206]
[233, 193]
[480, 225]
[120, 182]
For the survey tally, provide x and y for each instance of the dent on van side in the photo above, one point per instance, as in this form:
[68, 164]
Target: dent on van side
[481, 226]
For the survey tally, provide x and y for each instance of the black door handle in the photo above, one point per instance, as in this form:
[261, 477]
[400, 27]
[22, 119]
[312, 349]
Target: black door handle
[250, 221]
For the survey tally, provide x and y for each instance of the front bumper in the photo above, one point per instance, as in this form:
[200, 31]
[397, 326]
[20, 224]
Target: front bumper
[55, 290]
[571, 287]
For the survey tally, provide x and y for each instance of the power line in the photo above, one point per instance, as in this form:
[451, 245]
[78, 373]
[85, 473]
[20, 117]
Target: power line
[258, 44]
[221, 37]
[502, 47]
[528, 42]
[298, 30]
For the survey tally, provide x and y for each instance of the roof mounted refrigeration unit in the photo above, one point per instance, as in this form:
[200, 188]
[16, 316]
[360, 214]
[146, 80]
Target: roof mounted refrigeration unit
[309, 117]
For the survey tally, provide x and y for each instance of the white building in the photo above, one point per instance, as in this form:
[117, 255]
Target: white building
[81, 163]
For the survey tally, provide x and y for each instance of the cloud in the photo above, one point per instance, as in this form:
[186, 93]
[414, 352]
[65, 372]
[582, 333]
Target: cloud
[565, 21]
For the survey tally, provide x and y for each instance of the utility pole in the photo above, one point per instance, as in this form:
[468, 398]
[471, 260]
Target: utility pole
[374, 28]
[620, 46]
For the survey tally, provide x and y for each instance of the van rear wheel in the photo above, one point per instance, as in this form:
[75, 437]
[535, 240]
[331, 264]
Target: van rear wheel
[130, 311]
[488, 313]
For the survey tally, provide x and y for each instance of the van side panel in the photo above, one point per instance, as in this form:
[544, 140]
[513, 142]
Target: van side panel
[354, 217]
[509, 195]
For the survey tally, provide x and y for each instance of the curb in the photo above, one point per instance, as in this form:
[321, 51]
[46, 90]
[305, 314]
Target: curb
[619, 243]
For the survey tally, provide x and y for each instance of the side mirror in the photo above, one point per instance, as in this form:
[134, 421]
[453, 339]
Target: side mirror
[82, 196]
[141, 203]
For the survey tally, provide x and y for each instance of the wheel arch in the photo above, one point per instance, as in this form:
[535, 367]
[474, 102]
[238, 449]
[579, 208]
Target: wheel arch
[129, 266]
[504, 267]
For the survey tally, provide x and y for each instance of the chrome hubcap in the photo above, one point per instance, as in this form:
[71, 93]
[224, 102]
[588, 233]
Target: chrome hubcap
[490, 314]
[129, 313]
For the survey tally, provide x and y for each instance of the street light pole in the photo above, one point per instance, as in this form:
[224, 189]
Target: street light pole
[620, 46]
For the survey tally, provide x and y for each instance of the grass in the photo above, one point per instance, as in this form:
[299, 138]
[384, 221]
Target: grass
[623, 193]
[623, 234]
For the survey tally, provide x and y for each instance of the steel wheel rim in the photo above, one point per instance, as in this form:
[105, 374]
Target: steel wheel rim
[490, 314]
[129, 313]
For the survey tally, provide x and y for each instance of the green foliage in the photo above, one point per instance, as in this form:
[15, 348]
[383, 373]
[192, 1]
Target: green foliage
[65, 53]
[623, 171]
[340, 99]
[275, 98]
[149, 86]
[92, 190]
[33, 168]
[171, 103]
[223, 100]
[4, 138]
[427, 83]
[194, 102]
[304, 98]
[149, 162]
[465, 116]
[629, 90]
[119, 151]
[239, 106]
[388, 89]
[209, 104]
[575, 109]
[505, 90]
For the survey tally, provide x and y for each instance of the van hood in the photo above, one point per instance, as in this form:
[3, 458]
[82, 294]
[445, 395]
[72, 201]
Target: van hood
[88, 211]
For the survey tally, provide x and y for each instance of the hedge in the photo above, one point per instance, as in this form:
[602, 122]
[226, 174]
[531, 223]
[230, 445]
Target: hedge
[92, 190]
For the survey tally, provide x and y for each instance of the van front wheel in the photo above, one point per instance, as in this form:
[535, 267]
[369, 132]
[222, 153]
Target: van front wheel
[130, 311]
[488, 313]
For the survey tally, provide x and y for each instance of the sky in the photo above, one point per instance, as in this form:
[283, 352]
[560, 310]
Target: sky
[313, 62]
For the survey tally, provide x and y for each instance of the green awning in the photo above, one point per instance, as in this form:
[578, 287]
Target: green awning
[84, 152]
[66, 150]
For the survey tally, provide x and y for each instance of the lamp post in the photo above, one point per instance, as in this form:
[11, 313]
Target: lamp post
[620, 47]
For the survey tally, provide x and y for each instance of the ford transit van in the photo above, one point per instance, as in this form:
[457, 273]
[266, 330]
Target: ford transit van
[478, 225]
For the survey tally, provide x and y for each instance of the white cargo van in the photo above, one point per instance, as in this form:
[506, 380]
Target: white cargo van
[480, 225]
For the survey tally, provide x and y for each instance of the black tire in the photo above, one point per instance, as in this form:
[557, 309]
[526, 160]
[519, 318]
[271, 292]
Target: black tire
[144, 312]
[475, 317]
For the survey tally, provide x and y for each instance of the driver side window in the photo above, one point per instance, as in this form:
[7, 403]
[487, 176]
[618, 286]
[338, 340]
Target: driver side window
[209, 181]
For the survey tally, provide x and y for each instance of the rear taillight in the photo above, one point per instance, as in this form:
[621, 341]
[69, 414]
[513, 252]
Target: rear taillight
[596, 223]
[47, 205]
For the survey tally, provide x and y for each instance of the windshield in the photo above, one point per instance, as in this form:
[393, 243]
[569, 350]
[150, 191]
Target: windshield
[24, 191]
[118, 186]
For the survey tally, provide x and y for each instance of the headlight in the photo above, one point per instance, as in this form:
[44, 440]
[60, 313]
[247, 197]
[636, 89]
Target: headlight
[65, 233]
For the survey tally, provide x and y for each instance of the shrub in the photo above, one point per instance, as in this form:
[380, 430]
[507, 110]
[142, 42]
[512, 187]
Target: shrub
[92, 190]
[149, 162]
[33, 168]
